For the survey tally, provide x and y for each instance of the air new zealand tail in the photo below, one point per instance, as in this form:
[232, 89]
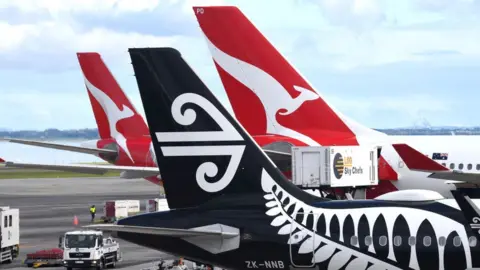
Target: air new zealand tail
[233, 208]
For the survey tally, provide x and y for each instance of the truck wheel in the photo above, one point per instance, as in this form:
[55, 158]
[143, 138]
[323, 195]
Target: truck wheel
[101, 265]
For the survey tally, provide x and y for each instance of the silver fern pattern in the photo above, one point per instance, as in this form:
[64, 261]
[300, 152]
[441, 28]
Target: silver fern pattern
[311, 228]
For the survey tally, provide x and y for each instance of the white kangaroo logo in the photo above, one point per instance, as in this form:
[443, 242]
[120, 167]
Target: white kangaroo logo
[271, 93]
[113, 115]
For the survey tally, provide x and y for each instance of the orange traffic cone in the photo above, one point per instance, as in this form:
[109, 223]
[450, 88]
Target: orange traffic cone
[75, 221]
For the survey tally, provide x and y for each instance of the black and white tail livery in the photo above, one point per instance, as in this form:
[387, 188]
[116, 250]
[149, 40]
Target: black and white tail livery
[232, 208]
[194, 135]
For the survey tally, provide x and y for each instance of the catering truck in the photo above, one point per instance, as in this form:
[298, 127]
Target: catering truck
[334, 166]
[156, 205]
[9, 234]
[118, 209]
[89, 249]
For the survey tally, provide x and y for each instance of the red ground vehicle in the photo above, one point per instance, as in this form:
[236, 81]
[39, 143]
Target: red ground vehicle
[46, 257]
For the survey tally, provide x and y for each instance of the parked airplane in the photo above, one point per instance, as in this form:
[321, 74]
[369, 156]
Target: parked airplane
[272, 99]
[124, 135]
[231, 207]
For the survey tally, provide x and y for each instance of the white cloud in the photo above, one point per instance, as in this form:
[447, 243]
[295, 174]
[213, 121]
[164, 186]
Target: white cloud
[357, 15]
[444, 5]
[52, 45]
[59, 37]
[117, 7]
[59, 6]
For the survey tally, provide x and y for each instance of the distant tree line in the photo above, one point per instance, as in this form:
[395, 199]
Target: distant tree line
[92, 133]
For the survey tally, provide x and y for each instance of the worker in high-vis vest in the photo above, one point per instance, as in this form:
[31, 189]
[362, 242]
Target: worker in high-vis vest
[93, 210]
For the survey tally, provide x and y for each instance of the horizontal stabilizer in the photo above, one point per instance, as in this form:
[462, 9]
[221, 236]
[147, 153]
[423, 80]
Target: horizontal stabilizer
[417, 161]
[160, 231]
[90, 169]
[215, 238]
[78, 149]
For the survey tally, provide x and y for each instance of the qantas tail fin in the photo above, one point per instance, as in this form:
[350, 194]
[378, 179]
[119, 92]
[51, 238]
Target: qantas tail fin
[114, 113]
[2, 160]
[268, 95]
[202, 151]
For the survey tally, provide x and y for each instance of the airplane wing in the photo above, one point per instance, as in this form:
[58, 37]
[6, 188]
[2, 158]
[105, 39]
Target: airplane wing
[127, 171]
[416, 161]
[79, 149]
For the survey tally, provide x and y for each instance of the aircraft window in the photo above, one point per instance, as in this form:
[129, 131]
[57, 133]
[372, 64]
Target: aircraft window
[452, 166]
[457, 241]
[478, 167]
[397, 240]
[442, 241]
[469, 166]
[444, 164]
[353, 240]
[382, 240]
[472, 240]
[411, 240]
[460, 166]
[427, 241]
[368, 240]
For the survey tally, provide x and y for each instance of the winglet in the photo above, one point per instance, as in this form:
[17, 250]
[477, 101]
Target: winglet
[417, 161]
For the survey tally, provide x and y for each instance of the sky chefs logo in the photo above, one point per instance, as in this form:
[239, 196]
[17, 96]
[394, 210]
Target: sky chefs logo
[338, 165]
[344, 165]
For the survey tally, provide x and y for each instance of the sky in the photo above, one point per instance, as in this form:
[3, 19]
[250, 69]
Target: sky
[384, 63]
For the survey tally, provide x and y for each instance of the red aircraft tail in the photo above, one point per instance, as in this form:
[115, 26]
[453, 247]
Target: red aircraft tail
[267, 93]
[113, 111]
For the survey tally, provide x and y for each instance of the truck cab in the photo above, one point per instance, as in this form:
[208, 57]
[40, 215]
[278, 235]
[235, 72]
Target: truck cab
[89, 249]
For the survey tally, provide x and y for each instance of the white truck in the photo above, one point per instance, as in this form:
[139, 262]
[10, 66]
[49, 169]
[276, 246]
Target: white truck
[334, 166]
[118, 209]
[89, 249]
[9, 234]
[156, 205]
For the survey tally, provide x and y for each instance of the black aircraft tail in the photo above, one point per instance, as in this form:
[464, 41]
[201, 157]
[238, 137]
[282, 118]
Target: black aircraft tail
[468, 207]
[202, 152]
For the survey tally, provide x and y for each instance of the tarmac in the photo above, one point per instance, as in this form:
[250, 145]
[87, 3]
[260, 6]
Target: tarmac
[48, 206]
